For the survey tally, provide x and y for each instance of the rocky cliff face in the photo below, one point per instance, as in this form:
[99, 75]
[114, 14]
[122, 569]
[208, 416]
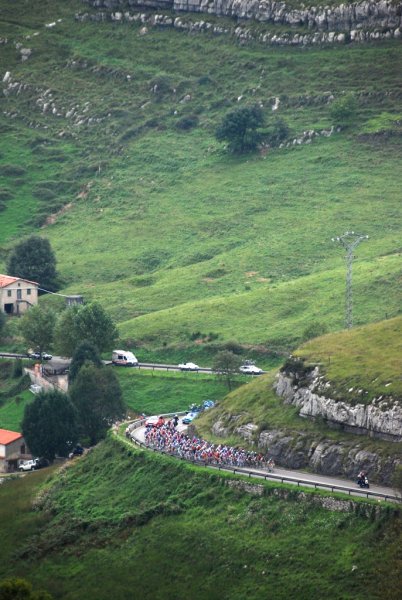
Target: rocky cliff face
[298, 450]
[381, 418]
[344, 17]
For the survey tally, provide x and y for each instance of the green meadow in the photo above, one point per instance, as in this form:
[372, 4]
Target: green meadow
[157, 221]
[130, 524]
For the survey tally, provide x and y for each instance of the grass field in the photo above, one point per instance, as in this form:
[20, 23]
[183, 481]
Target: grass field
[142, 522]
[243, 248]
[365, 359]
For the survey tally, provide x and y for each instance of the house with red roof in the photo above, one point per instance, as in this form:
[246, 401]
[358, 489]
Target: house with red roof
[12, 449]
[16, 294]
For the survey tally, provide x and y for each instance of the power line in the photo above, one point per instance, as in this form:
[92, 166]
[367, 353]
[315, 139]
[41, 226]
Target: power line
[349, 240]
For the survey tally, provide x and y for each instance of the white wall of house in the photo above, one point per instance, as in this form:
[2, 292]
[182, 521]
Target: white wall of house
[14, 451]
[18, 296]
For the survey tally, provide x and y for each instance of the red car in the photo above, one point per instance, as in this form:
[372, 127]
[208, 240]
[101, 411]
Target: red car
[155, 421]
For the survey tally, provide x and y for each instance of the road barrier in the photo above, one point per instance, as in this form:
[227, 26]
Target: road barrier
[263, 475]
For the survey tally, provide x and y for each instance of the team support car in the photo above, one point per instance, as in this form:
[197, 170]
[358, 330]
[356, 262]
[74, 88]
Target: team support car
[189, 418]
[250, 370]
[154, 421]
[188, 366]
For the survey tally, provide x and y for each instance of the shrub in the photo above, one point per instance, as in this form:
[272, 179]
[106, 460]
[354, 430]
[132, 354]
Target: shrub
[186, 123]
[343, 110]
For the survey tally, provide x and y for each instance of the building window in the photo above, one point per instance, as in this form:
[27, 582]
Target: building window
[19, 294]
[28, 291]
[9, 293]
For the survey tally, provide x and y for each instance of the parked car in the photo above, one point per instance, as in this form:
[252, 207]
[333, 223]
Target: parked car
[29, 465]
[208, 404]
[42, 462]
[37, 355]
[77, 450]
[189, 418]
[188, 366]
[250, 370]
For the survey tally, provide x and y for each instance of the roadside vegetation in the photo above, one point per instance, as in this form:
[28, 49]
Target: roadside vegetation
[147, 522]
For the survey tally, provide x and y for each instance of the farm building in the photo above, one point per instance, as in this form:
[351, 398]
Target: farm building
[16, 294]
[12, 450]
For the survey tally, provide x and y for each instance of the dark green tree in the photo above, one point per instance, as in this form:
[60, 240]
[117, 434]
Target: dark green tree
[49, 425]
[37, 327]
[34, 259]
[88, 322]
[85, 353]
[227, 364]
[20, 589]
[240, 129]
[97, 398]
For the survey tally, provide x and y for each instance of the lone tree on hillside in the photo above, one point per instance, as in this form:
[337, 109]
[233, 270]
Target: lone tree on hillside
[240, 129]
[49, 425]
[97, 397]
[85, 353]
[34, 259]
[88, 322]
[37, 327]
[227, 365]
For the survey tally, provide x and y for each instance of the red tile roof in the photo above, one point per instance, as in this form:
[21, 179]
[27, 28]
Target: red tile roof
[6, 436]
[6, 280]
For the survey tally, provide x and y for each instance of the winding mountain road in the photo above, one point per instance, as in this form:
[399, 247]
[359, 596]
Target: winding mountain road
[294, 477]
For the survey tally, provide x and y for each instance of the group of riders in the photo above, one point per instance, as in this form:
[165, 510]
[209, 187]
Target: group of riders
[167, 438]
[164, 436]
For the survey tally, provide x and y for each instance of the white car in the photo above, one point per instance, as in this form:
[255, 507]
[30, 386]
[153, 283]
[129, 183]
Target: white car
[189, 366]
[250, 370]
[29, 465]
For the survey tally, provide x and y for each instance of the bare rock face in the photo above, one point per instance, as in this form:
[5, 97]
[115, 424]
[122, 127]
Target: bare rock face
[379, 419]
[344, 17]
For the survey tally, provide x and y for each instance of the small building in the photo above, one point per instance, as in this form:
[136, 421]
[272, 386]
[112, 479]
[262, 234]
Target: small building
[74, 300]
[17, 295]
[12, 450]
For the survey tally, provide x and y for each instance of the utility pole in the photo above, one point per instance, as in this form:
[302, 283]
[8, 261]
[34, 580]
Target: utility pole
[349, 240]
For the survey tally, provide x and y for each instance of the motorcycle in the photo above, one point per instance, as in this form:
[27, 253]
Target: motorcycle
[363, 482]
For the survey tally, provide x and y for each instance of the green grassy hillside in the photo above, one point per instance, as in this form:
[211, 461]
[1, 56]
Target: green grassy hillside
[173, 235]
[130, 524]
[362, 363]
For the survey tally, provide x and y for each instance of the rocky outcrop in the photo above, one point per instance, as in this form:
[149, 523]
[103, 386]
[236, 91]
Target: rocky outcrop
[381, 418]
[344, 17]
[242, 32]
[298, 450]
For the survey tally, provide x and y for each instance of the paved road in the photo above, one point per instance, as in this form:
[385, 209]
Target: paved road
[307, 479]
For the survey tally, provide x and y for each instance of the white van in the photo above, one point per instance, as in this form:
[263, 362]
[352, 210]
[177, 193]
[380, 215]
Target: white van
[123, 358]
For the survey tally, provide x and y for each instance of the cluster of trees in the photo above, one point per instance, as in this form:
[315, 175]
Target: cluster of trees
[54, 421]
[244, 128]
[42, 329]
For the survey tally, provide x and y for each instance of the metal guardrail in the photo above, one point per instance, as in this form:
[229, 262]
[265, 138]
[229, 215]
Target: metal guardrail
[267, 476]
